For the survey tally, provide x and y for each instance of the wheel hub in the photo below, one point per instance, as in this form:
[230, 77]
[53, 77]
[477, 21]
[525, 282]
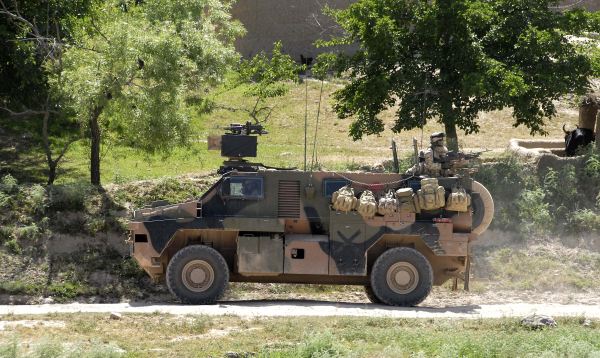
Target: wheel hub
[402, 277]
[197, 275]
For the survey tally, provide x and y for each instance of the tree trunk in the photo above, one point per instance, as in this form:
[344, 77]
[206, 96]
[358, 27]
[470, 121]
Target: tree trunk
[451, 136]
[95, 146]
[447, 117]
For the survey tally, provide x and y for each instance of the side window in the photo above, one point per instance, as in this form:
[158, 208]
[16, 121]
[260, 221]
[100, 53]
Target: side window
[331, 185]
[243, 188]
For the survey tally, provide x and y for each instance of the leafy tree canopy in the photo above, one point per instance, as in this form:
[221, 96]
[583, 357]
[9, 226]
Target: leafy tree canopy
[263, 77]
[22, 73]
[133, 64]
[451, 59]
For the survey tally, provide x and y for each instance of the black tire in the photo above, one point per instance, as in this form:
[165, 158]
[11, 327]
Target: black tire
[371, 295]
[197, 275]
[401, 277]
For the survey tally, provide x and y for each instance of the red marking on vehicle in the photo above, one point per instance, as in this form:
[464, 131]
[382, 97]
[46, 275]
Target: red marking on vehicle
[376, 187]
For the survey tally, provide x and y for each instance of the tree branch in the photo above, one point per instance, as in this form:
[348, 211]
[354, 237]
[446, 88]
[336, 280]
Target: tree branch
[27, 113]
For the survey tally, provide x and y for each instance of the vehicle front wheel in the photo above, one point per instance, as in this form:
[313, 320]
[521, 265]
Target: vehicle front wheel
[401, 276]
[197, 274]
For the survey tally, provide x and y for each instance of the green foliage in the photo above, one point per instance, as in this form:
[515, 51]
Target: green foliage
[30, 233]
[36, 199]
[264, 74]
[451, 60]
[135, 67]
[13, 246]
[69, 197]
[64, 291]
[585, 221]
[23, 71]
[534, 212]
[321, 345]
[9, 350]
[8, 184]
[592, 167]
[264, 77]
[561, 190]
[49, 349]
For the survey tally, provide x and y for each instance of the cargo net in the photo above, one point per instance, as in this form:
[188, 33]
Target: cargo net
[431, 196]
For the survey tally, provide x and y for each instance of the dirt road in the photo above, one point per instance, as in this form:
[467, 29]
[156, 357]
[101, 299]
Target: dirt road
[259, 308]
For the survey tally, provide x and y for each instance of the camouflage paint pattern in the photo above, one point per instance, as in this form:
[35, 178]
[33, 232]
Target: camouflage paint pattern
[290, 233]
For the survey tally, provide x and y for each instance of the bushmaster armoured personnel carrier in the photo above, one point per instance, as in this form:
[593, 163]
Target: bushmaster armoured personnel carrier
[395, 234]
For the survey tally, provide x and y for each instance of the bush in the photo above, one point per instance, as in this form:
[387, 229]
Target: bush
[30, 232]
[8, 184]
[4, 200]
[36, 199]
[64, 291]
[5, 233]
[13, 246]
[533, 213]
[561, 190]
[505, 178]
[584, 220]
[69, 197]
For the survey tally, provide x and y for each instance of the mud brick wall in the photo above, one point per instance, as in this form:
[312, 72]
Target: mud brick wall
[298, 23]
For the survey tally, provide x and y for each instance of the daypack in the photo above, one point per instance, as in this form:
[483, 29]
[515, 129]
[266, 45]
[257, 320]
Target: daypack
[367, 205]
[388, 204]
[405, 200]
[344, 199]
[458, 200]
[431, 196]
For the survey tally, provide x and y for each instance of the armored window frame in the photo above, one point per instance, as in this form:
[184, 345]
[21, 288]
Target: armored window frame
[240, 182]
[332, 185]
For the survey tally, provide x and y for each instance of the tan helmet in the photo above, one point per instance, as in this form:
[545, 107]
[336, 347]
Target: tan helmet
[437, 137]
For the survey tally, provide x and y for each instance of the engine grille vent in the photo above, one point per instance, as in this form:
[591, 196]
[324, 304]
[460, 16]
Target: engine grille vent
[288, 204]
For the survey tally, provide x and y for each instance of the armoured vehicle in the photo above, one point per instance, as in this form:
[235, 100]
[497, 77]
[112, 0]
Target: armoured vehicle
[262, 224]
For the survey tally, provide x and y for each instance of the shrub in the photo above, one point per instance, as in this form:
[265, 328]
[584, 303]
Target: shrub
[30, 232]
[5, 232]
[561, 190]
[320, 346]
[63, 291]
[8, 184]
[592, 166]
[13, 246]
[505, 178]
[36, 199]
[4, 200]
[584, 220]
[533, 213]
[69, 197]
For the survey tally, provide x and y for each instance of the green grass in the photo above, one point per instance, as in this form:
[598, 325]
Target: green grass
[158, 335]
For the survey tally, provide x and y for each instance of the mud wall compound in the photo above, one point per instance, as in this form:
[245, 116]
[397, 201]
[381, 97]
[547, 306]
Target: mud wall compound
[299, 23]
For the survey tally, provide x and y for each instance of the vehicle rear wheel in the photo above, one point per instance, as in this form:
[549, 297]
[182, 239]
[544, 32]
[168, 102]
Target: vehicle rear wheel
[197, 274]
[371, 295]
[401, 277]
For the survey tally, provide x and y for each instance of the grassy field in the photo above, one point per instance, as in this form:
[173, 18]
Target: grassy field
[157, 335]
[283, 146]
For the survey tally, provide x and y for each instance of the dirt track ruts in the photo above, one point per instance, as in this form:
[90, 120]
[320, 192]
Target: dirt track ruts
[262, 308]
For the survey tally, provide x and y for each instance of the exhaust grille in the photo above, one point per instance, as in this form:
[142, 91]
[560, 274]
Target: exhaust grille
[288, 204]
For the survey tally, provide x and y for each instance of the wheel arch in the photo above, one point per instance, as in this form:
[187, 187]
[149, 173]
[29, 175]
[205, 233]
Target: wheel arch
[222, 240]
[443, 266]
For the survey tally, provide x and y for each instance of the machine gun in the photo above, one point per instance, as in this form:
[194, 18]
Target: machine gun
[459, 161]
[245, 129]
